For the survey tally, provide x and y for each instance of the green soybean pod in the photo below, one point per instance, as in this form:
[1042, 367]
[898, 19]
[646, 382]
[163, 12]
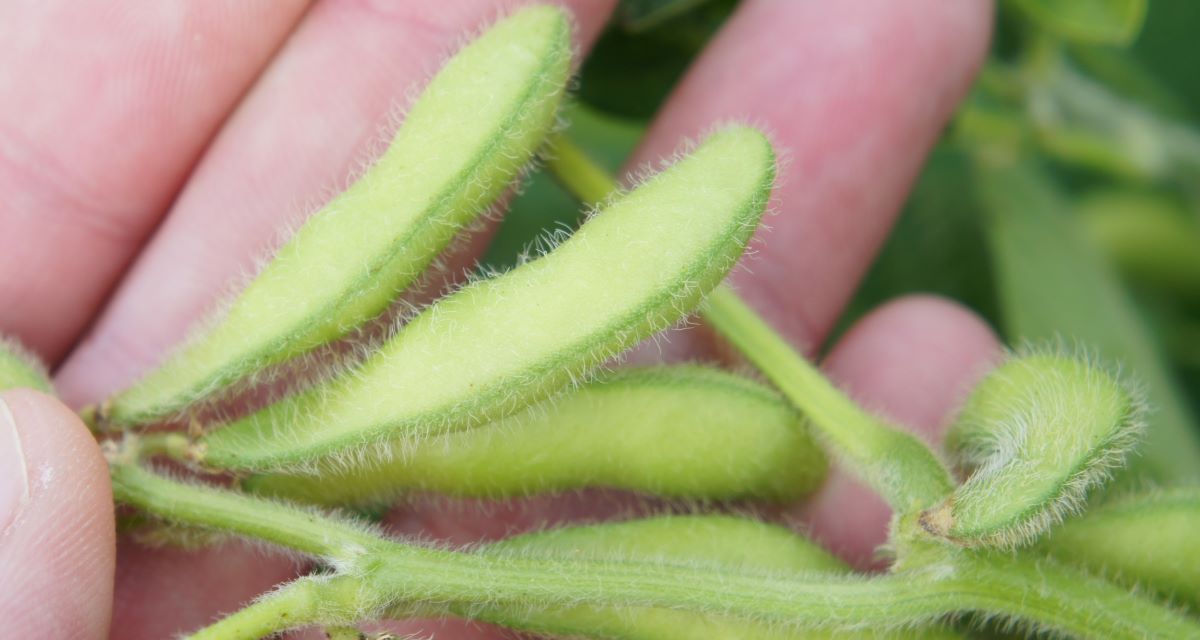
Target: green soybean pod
[464, 140]
[680, 431]
[19, 368]
[1146, 540]
[1038, 433]
[723, 542]
[500, 344]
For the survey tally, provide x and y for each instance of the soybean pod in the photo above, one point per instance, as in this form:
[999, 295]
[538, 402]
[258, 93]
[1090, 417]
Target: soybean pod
[498, 345]
[464, 140]
[1037, 434]
[1143, 541]
[681, 431]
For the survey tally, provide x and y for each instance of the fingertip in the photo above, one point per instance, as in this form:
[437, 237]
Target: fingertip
[57, 544]
[914, 359]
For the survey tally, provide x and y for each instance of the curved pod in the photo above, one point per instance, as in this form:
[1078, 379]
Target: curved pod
[498, 345]
[1038, 432]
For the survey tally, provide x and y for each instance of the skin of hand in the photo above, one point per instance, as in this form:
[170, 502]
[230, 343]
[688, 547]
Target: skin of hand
[149, 153]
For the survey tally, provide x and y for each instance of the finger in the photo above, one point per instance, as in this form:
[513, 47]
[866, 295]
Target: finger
[913, 361]
[103, 110]
[56, 522]
[314, 114]
[316, 110]
[855, 92]
[163, 592]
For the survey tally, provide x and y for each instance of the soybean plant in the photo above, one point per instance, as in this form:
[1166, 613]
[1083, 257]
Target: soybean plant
[501, 389]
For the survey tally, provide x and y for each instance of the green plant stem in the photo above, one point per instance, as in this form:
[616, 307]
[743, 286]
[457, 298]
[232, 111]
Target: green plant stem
[578, 173]
[894, 463]
[1040, 594]
[193, 504]
[378, 574]
[897, 465]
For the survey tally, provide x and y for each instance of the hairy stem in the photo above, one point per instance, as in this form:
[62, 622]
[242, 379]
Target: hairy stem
[211, 508]
[578, 173]
[1038, 593]
[378, 574]
[897, 465]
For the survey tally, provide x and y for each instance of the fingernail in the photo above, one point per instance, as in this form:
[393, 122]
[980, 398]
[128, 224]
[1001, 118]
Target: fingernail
[14, 481]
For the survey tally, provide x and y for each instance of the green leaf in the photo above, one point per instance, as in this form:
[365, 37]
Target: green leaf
[1147, 540]
[496, 346]
[685, 432]
[471, 132]
[1054, 285]
[1093, 21]
[1121, 71]
[1165, 47]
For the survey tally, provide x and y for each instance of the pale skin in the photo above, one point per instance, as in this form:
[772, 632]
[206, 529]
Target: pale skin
[149, 156]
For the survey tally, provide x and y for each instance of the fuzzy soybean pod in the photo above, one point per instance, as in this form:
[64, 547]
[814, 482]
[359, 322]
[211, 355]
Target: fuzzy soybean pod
[720, 542]
[464, 140]
[682, 432]
[19, 368]
[498, 345]
[1037, 433]
[1149, 541]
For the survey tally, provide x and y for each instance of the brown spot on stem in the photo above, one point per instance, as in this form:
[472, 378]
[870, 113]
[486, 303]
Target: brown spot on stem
[939, 520]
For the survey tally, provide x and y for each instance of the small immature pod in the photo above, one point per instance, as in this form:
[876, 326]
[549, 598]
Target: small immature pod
[473, 129]
[498, 345]
[19, 368]
[722, 541]
[1037, 433]
[685, 432]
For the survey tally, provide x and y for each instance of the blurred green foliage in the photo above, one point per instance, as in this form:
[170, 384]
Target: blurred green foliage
[1063, 203]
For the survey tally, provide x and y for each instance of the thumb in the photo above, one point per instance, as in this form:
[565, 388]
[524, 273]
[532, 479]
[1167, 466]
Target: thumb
[57, 540]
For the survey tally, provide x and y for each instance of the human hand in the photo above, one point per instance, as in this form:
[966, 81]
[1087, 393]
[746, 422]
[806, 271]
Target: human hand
[119, 123]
